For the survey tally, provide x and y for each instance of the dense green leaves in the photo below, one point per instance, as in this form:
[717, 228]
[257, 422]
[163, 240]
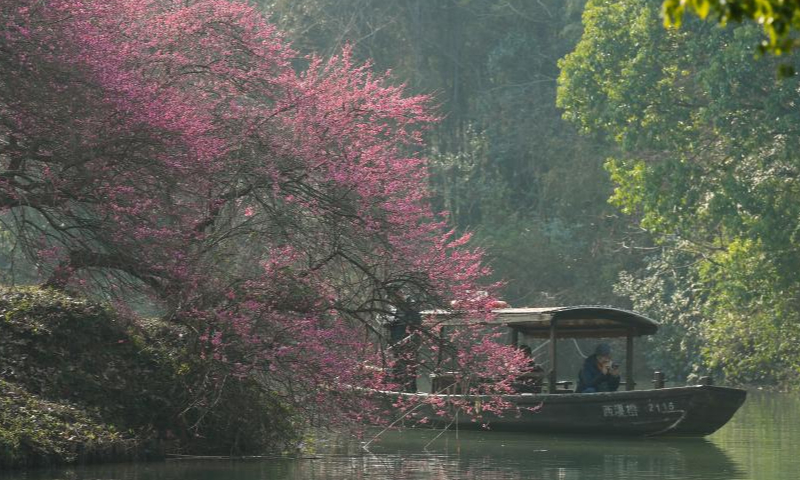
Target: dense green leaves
[79, 381]
[709, 166]
[778, 18]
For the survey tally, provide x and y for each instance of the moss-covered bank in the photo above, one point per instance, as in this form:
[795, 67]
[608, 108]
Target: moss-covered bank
[81, 383]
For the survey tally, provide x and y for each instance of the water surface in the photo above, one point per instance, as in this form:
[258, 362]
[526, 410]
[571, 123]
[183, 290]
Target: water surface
[761, 442]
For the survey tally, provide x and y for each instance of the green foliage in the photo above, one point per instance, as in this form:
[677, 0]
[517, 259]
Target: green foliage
[34, 431]
[95, 385]
[778, 18]
[707, 165]
[64, 348]
[750, 299]
[668, 289]
[14, 266]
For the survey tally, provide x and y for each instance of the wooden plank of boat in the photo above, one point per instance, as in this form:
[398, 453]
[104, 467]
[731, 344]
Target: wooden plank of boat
[684, 411]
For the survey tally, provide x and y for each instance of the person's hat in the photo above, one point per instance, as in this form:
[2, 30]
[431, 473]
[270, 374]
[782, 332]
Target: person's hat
[602, 349]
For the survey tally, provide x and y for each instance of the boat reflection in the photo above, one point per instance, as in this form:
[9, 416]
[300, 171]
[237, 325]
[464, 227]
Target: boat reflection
[497, 455]
[418, 454]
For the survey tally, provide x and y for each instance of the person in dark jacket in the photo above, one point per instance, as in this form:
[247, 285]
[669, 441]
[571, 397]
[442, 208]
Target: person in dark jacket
[598, 374]
[405, 343]
[530, 380]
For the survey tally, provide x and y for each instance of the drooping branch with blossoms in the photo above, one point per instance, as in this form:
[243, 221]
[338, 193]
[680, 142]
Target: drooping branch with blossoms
[170, 147]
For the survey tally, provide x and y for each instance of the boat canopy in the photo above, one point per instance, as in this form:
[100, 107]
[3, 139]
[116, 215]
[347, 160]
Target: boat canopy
[568, 322]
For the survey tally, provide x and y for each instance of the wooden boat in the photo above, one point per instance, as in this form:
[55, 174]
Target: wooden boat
[695, 410]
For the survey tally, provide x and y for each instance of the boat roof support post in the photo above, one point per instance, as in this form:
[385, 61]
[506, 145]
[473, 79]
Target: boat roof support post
[629, 384]
[551, 387]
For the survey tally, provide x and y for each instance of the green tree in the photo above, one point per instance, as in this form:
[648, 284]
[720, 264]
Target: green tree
[708, 166]
[778, 18]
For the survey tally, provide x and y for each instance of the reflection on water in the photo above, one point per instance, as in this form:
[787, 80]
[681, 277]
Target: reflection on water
[764, 436]
[495, 455]
[474, 455]
[762, 442]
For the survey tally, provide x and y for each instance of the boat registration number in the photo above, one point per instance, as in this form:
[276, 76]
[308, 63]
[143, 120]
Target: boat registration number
[633, 410]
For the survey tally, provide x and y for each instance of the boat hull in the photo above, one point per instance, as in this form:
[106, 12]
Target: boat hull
[680, 411]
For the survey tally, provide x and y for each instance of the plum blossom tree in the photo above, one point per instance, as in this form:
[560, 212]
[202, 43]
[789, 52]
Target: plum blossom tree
[169, 146]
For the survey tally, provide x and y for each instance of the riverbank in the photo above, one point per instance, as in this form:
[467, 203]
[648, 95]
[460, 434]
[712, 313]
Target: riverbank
[760, 442]
[80, 383]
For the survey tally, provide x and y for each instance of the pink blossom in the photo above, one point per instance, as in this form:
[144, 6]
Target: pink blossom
[161, 119]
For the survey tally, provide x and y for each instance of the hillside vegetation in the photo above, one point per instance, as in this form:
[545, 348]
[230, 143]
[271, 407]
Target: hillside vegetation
[79, 382]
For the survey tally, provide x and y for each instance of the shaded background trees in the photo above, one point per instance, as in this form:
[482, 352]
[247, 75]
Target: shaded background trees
[504, 162]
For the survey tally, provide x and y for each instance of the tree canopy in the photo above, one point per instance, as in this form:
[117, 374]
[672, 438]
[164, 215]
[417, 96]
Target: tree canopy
[170, 148]
[708, 165]
[503, 161]
[778, 18]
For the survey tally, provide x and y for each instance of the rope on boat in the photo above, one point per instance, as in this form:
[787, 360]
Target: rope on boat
[578, 348]
[445, 429]
[404, 415]
[540, 346]
[409, 412]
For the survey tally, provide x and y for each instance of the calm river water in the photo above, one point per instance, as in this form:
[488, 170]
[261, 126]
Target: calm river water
[761, 442]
